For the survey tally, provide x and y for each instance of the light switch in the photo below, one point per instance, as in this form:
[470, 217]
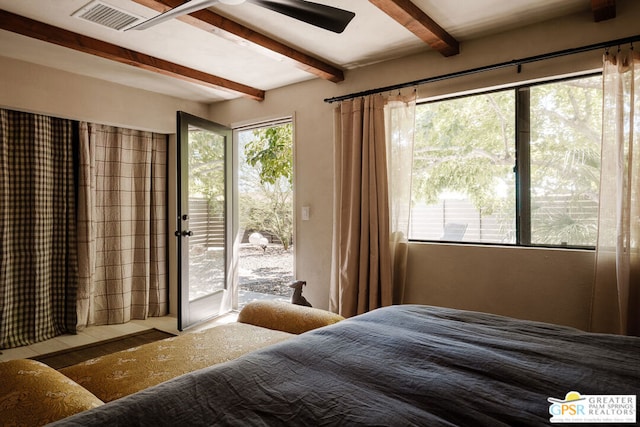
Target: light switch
[305, 213]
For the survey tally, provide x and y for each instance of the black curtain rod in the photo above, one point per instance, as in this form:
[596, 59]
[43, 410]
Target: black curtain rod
[515, 62]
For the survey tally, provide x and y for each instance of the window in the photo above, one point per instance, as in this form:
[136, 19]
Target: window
[518, 166]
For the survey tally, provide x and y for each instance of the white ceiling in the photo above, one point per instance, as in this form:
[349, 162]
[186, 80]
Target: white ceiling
[371, 37]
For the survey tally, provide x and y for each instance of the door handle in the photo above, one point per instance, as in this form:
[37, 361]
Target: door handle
[184, 233]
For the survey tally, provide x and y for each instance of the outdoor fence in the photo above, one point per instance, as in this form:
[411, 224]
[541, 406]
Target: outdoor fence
[207, 225]
[430, 222]
[206, 221]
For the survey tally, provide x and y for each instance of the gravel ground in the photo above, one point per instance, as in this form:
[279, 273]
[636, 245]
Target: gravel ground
[268, 271]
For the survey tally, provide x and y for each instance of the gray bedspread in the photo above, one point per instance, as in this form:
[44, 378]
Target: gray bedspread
[396, 366]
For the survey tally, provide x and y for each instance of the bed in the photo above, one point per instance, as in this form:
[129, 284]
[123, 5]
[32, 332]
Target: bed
[395, 366]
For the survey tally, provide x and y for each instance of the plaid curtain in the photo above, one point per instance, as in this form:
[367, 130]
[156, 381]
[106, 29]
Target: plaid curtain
[122, 225]
[38, 276]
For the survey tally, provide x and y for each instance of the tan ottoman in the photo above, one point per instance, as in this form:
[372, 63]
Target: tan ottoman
[286, 317]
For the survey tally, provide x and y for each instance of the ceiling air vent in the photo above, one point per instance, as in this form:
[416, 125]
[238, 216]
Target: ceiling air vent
[106, 15]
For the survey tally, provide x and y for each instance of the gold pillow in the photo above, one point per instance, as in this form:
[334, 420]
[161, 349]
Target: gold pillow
[34, 394]
[283, 316]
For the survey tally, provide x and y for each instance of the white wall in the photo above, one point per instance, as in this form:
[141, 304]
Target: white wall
[458, 276]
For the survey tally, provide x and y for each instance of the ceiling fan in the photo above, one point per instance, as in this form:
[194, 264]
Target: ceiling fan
[320, 15]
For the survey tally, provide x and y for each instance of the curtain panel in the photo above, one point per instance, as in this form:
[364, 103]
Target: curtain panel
[121, 225]
[616, 293]
[400, 112]
[369, 244]
[38, 277]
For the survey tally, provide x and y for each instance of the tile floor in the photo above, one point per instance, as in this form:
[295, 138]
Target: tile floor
[98, 333]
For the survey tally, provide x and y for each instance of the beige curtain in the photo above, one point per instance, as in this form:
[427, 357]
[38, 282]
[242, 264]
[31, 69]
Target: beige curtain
[372, 156]
[616, 296]
[121, 225]
[400, 124]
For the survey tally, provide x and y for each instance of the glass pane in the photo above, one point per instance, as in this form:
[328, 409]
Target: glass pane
[565, 161]
[206, 213]
[463, 180]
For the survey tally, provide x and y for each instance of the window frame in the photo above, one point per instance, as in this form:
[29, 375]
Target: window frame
[522, 167]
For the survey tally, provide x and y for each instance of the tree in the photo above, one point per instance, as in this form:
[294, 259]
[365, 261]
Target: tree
[272, 151]
[267, 168]
[206, 168]
[267, 198]
[467, 146]
[565, 142]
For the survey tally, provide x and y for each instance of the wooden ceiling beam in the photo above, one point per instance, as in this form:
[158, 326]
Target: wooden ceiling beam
[603, 9]
[210, 21]
[48, 33]
[419, 23]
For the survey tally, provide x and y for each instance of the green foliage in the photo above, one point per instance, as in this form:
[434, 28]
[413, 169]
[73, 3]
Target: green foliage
[467, 146]
[267, 186]
[267, 173]
[207, 166]
[565, 161]
[464, 145]
[565, 138]
[270, 210]
[272, 150]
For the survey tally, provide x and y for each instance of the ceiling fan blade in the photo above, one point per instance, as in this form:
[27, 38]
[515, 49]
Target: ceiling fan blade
[326, 17]
[183, 9]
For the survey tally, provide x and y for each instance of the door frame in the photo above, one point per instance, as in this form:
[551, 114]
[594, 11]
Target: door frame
[237, 236]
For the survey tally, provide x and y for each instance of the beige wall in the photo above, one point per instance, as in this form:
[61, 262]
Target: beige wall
[33, 88]
[313, 154]
[529, 283]
[546, 285]
[28, 87]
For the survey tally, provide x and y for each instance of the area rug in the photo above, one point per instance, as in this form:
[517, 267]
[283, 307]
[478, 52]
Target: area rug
[63, 358]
